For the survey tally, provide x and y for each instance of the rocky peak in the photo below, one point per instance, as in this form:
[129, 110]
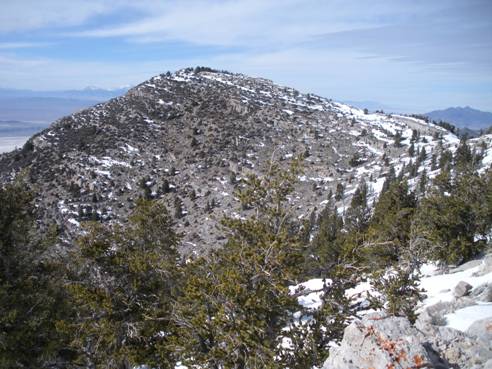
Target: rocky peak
[189, 137]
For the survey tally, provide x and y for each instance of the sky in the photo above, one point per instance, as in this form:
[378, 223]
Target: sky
[413, 56]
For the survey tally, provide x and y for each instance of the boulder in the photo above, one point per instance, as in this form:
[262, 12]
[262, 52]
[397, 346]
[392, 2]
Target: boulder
[482, 329]
[482, 293]
[462, 289]
[459, 349]
[434, 314]
[379, 341]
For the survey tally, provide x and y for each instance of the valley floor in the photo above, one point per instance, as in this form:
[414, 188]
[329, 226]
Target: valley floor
[10, 143]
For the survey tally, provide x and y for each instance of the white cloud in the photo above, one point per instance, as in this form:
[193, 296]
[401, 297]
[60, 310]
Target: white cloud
[253, 23]
[53, 74]
[22, 45]
[23, 15]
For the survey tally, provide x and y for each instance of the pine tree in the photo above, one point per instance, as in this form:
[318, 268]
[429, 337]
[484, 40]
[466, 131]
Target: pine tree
[433, 162]
[463, 157]
[145, 186]
[123, 283]
[389, 229]
[390, 178]
[357, 216]
[166, 188]
[397, 139]
[415, 136]
[442, 182]
[233, 310]
[423, 182]
[398, 291]
[422, 156]
[446, 159]
[323, 326]
[401, 174]
[413, 169]
[326, 248]
[411, 149]
[31, 300]
[452, 216]
[339, 192]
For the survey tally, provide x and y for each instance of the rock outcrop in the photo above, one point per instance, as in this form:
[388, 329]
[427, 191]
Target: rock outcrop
[380, 341]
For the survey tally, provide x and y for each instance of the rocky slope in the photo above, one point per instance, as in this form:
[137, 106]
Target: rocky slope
[189, 137]
[453, 330]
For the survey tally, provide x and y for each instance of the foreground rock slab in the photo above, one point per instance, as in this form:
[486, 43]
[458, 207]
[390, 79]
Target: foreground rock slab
[379, 341]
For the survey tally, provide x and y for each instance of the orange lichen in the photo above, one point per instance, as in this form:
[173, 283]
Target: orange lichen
[419, 361]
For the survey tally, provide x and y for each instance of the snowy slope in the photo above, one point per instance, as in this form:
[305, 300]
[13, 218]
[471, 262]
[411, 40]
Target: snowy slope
[437, 287]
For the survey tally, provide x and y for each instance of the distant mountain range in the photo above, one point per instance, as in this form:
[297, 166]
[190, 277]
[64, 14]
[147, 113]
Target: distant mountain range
[466, 117]
[88, 93]
[48, 106]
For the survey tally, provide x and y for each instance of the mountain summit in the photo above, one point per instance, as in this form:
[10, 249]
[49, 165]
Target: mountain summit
[466, 117]
[189, 137]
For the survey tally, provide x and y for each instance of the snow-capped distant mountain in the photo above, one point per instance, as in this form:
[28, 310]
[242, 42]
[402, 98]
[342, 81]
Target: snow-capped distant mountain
[466, 117]
[188, 137]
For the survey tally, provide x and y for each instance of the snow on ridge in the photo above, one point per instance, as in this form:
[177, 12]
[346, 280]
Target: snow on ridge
[437, 288]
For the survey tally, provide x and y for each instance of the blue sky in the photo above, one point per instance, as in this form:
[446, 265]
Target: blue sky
[410, 55]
